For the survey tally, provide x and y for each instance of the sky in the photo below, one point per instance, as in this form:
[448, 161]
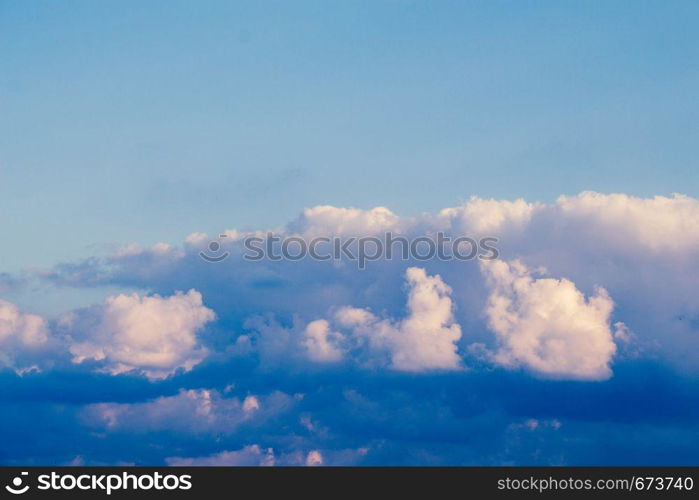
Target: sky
[132, 134]
[123, 121]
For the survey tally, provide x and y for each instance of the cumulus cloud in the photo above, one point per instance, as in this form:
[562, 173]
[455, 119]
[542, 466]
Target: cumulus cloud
[486, 217]
[327, 220]
[152, 334]
[26, 329]
[322, 344]
[547, 325]
[425, 339]
[21, 334]
[658, 224]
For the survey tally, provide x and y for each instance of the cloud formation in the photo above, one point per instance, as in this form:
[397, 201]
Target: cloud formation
[153, 335]
[594, 303]
[547, 325]
[590, 240]
[425, 339]
[322, 344]
[20, 334]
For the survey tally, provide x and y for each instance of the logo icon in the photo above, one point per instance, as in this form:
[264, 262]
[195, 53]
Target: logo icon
[17, 483]
[214, 248]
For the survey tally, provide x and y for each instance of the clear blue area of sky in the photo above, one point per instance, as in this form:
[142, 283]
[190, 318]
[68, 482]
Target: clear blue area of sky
[127, 121]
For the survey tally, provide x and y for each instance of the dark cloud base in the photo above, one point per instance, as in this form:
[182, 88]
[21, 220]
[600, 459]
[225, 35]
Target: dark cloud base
[644, 415]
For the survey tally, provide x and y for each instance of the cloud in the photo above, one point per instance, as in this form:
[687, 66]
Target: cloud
[192, 411]
[621, 243]
[326, 220]
[314, 458]
[511, 361]
[547, 325]
[255, 455]
[658, 224]
[425, 339]
[26, 329]
[250, 404]
[20, 335]
[643, 251]
[323, 345]
[248, 456]
[484, 217]
[154, 335]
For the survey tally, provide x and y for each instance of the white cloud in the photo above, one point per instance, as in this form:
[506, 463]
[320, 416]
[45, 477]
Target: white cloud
[658, 224]
[325, 220]
[353, 317]
[314, 458]
[486, 217]
[26, 329]
[547, 325]
[322, 344]
[425, 339]
[21, 335]
[247, 456]
[153, 335]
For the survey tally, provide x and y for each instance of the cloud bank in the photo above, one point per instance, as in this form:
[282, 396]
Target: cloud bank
[593, 301]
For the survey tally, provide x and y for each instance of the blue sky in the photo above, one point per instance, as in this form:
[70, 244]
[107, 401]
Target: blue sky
[133, 133]
[123, 121]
